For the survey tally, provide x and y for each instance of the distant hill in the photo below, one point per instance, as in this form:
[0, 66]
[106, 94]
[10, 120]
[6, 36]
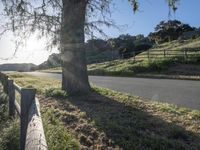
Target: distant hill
[92, 56]
[54, 60]
[17, 67]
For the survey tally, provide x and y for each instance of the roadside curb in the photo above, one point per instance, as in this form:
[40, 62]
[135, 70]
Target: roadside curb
[177, 77]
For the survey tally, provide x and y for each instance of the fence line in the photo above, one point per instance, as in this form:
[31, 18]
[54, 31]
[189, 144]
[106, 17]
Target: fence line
[185, 53]
[31, 127]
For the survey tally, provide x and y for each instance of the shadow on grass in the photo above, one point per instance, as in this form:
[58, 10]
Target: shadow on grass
[132, 128]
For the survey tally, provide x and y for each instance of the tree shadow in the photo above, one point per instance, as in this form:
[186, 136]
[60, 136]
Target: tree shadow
[131, 127]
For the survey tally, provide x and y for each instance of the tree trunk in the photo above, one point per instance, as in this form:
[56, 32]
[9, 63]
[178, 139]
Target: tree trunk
[74, 68]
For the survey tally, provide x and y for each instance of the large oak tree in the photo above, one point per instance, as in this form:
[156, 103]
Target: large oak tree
[65, 23]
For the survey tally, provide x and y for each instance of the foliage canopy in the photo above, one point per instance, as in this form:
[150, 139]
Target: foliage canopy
[26, 17]
[167, 31]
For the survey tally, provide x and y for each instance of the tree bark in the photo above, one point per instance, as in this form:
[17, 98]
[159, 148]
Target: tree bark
[74, 68]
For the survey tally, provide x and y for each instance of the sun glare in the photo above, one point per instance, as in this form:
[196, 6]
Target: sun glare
[34, 51]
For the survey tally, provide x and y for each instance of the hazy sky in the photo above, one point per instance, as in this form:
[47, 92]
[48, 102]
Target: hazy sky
[150, 14]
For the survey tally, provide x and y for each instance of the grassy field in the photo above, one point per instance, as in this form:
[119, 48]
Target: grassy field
[105, 119]
[175, 65]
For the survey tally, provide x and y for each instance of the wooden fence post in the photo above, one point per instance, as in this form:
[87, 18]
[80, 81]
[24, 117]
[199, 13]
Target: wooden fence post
[148, 55]
[35, 138]
[185, 54]
[27, 97]
[11, 95]
[164, 53]
[5, 83]
[134, 56]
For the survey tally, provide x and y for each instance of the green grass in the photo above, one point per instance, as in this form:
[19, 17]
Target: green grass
[108, 119]
[9, 139]
[127, 67]
[9, 128]
[178, 45]
[57, 136]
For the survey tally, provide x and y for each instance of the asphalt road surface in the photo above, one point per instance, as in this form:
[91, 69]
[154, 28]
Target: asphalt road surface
[184, 93]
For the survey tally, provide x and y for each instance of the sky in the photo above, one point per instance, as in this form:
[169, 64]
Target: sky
[150, 13]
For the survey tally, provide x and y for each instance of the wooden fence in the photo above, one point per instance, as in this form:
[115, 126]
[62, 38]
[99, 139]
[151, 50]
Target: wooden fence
[31, 128]
[185, 53]
[156, 54]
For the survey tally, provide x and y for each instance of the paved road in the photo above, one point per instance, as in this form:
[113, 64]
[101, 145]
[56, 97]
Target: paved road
[181, 92]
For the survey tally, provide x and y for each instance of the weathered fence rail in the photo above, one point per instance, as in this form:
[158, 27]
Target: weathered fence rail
[31, 128]
[185, 53]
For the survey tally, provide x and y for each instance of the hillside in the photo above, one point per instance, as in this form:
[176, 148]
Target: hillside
[17, 67]
[54, 60]
[93, 55]
[172, 63]
[176, 48]
[99, 50]
[155, 60]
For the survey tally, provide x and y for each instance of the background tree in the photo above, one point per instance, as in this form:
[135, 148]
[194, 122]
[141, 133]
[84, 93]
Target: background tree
[98, 50]
[64, 23]
[167, 31]
[127, 44]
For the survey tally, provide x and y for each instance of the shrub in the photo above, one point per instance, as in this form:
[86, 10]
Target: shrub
[56, 93]
[10, 137]
[9, 129]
